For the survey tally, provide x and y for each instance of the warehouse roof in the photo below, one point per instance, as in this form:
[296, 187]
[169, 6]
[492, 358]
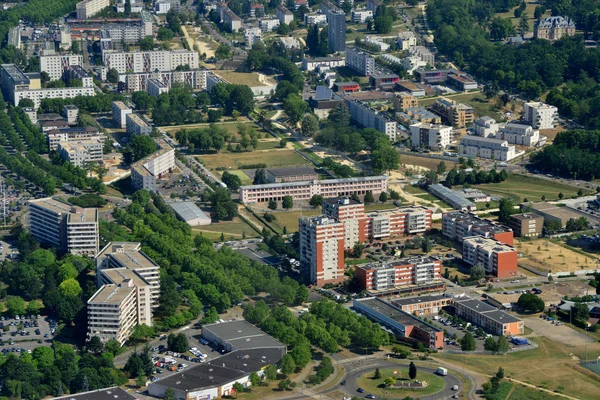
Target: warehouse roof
[111, 393]
[188, 211]
[242, 335]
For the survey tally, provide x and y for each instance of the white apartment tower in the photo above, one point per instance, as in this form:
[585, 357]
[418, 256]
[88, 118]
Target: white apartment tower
[540, 115]
[361, 62]
[149, 61]
[56, 65]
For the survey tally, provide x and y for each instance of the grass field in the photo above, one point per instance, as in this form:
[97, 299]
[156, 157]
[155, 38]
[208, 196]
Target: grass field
[552, 257]
[414, 189]
[231, 127]
[289, 219]
[243, 177]
[241, 78]
[550, 366]
[230, 229]
[372, 386]
[273, 158]
[429, 163]
[520, 187]
[529, 9]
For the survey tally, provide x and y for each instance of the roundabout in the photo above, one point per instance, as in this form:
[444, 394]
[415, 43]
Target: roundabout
[395, 382]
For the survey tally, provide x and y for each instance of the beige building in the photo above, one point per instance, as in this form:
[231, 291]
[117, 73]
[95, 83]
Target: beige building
[457, 114]
[73, 135]
[89, 8]
[136, 125]
[526, 225]
[120, 112]
[553, 28]
[81, 153]
[145, 172]
[68, 228]
[404, 100]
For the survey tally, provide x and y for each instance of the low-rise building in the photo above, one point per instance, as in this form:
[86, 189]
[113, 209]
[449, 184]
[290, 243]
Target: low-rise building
[119, 113]
[383, 276]
[146, 172]
[561, 215]
[526, 225]
[423, 53]
[457, 114]
[190, 213]
[284, 15]
[315, 19]
[418, 114]
[156, 87]
[361, 16]
[135, 125]
[493, 149]
[403, 101]
[423, 305]
[523, 135]
[430, 136]
[346, 87]
[269, 24]
[489, 318]
[462, 82]
[252, 35]
[486, 127]
[310, 64]
[457, 225]
[406, 40]
[451, 197]
[71, 113]
[291, 174]
[377, 42]
[81, 153]
[410, 87]
[324, 101]
[432, 76]
[404, 325]
[384, 81]
[497, 259]
[257, 10]
[540, 115]
[290, 43]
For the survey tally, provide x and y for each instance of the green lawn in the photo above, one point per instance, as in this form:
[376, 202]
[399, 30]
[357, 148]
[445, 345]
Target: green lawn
[289, 219]
[230, 229]
[520, 187]
[372, 386]
[414, 189]
[274, 158]
[477, 100]
[243, 177]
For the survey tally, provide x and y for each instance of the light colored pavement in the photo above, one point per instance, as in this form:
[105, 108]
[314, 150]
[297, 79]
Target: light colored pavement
[561, 334]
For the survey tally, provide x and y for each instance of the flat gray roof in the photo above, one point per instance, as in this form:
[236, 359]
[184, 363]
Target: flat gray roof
[292, 171]
[385, 309]
[243, 335]
[450, 195]
[487, 310]
[111, 393]
[418, 300]
[188, 211]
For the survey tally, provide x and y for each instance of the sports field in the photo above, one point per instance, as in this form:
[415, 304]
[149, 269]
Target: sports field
[520, 187]
[546, 256]
[272, 158]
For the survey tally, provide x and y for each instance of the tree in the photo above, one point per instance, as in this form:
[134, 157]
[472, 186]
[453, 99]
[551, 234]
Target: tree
[95, 345]
[127, 8]
[260, 177]
[340, 115]
[561, 195]
[223, 52]
[491, 90]
[272, 205]
[34, 307]
[238, 388]
[377, 374]
[169, 394]
[141, 146]
[254, 379]
[502, 345]
[383, 23]
[524, 24]
[394, 195]
[490, 344]
[441, 168]
[15, 306]
[316, 201]
[177, 342]
[538, 12]
[426, 245]
[26, 103]
[232, 181]
[271, 373]
[288, 202]
[358, 249]
[530, 302]
[506, 209]
[294, 107]
[287, 365]
[500, 373]
[75, 47]
[389, 381]
[467, 343]
[412, 370]
[579, 311]
[369, 198]
[147, 43]
[477, 272]
[383, 197]
[310, 125]
[112, 75]
[501, 28]
[164, 34]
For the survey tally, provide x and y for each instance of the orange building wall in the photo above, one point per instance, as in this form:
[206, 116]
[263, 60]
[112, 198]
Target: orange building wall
[514, 328]
[505, 237]
[507, 264]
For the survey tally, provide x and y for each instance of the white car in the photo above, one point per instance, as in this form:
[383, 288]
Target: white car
[455, 387]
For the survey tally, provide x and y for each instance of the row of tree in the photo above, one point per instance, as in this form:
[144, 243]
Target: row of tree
[460, 177]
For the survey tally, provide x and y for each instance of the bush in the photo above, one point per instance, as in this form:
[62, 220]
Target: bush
[88, 200]
[270, 217]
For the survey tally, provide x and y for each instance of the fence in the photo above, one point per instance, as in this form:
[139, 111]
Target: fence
[593, 366]
[529, 346]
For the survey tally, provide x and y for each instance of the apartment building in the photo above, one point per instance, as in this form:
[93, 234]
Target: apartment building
[377, 42]
[111, 33]
[496, 258]
[306, 189]
[352, 214]
[418, 114]
[119, 256]
[73, 135]
[284, 15]
[489, 318]
[257, 10]
[361, 16]
[17, 85]
[229, 18]
[406, 40]
[322, 249]
[540, 115]
[520, 134]
[81, 153]
[526, 225]
[553, 28]
[14, 37]
[456, 114]
[136, 82]
[423, 305]
[493, 149]
[136, 7]
[451, 197]
[360, 61]
[71, 113]
[397, 222]
[457, 225]
[404, 101]
[69, 229]
[119, 113]
[315, 19]
[336, 30]
[430, 136]
[423, 53]
[486, 127]
[156, 87]
[112, 312]
[146, 172]
[252, 35]
[405, 326]
[365, 116]
[310, 64]
[135, 125]
[411, 64]
[268, 24]
[372, 6]
[384, 276]
[56, 65]
[462, 82]
[149, 61]
[89, 8]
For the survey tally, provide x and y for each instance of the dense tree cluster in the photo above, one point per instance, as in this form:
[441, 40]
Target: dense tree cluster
[460, 177]
[259, 57]
[340, 170]
[530, 302]
[176, 107]
[32, 135]
[531, 68]
[88, 200]
[573, 154]
[223, 207]
[139, 146]
[100, 102]
[19, 165]
[65, 172]
[206, 139]
[233, 98]
[318, 41]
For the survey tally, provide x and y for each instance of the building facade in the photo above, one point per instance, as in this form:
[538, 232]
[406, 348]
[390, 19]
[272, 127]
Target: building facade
[488, 317]
[56, 65]
[456, 114]
[284, 15]
[540, 115]
[82, 153]
[149, 61]
[336, 30]
[89, 8]
[322, 249]
[365, 116]
[407, 271]
[430, 136]
[526, 225]
[493, 149]
[119, 113]
[360, 61]
[423, 305]
[553, 28]
[146, 172]
[194, 79]
[135, 125]
[112, 312]
[404, 101]
[73, 135]
[496, 258]
[457, 225]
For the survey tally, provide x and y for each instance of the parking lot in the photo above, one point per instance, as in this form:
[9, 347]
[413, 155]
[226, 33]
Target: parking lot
[25, 333]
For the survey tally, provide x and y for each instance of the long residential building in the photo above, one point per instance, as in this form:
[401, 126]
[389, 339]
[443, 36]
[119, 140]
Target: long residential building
[430, 136]
[229, 18]
[423, 305]
[136, 82]
[457, 225]
[310, 64]
[360, 61]
[89, 8]
[404, 325]
[489, 318]
[136, 125]
[56, 65]
[149, 61]
[322, 249]
[304, 190]
[17, 85]
[496, 258]
[82, 153]
[73, 135]
[493, 149]
[365, 116]
[384, 276]
[457, 114]
[146, 172]
[69, 229]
